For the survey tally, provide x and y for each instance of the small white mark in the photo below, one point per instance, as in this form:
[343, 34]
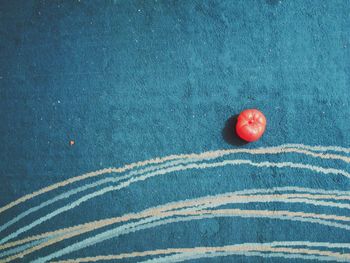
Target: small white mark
[139, 10]
[58, 101]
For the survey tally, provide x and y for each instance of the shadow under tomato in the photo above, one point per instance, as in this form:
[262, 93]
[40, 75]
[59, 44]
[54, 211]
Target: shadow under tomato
[229, 132]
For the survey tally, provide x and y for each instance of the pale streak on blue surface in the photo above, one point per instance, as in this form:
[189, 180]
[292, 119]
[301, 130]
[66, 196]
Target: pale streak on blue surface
[164, 171]
[147, 223]
[23, 247]
[76, 203]
[253, 191]
[265, 191]
[311, 244]
[317, 147]
[80, 201]
[317, 169]
[85, 187]
[189, 256]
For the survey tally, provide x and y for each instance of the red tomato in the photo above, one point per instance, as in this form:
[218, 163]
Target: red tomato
[250, 125]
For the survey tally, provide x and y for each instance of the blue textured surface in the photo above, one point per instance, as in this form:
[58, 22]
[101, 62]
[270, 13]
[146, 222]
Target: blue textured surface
[133, 80]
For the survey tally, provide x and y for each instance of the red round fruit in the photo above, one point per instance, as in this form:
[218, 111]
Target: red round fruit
[250, 125]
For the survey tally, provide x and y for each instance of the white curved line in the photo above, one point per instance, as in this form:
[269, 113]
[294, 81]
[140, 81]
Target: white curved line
[207, 156]
[209, 202]
[81, 200]
[237, 247]
[193, 206]
[318, 148]
[264, 254]
[193, 215]
[272, 150]
[325, 194]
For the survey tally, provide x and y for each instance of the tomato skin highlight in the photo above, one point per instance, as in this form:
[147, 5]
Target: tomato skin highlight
[251, 124]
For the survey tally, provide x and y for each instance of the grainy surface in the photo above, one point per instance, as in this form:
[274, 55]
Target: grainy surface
[86, 85]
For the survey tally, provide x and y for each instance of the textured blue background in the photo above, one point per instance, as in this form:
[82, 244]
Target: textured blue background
[132, 80]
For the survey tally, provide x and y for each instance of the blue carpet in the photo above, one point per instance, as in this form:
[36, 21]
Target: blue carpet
[110, 98]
